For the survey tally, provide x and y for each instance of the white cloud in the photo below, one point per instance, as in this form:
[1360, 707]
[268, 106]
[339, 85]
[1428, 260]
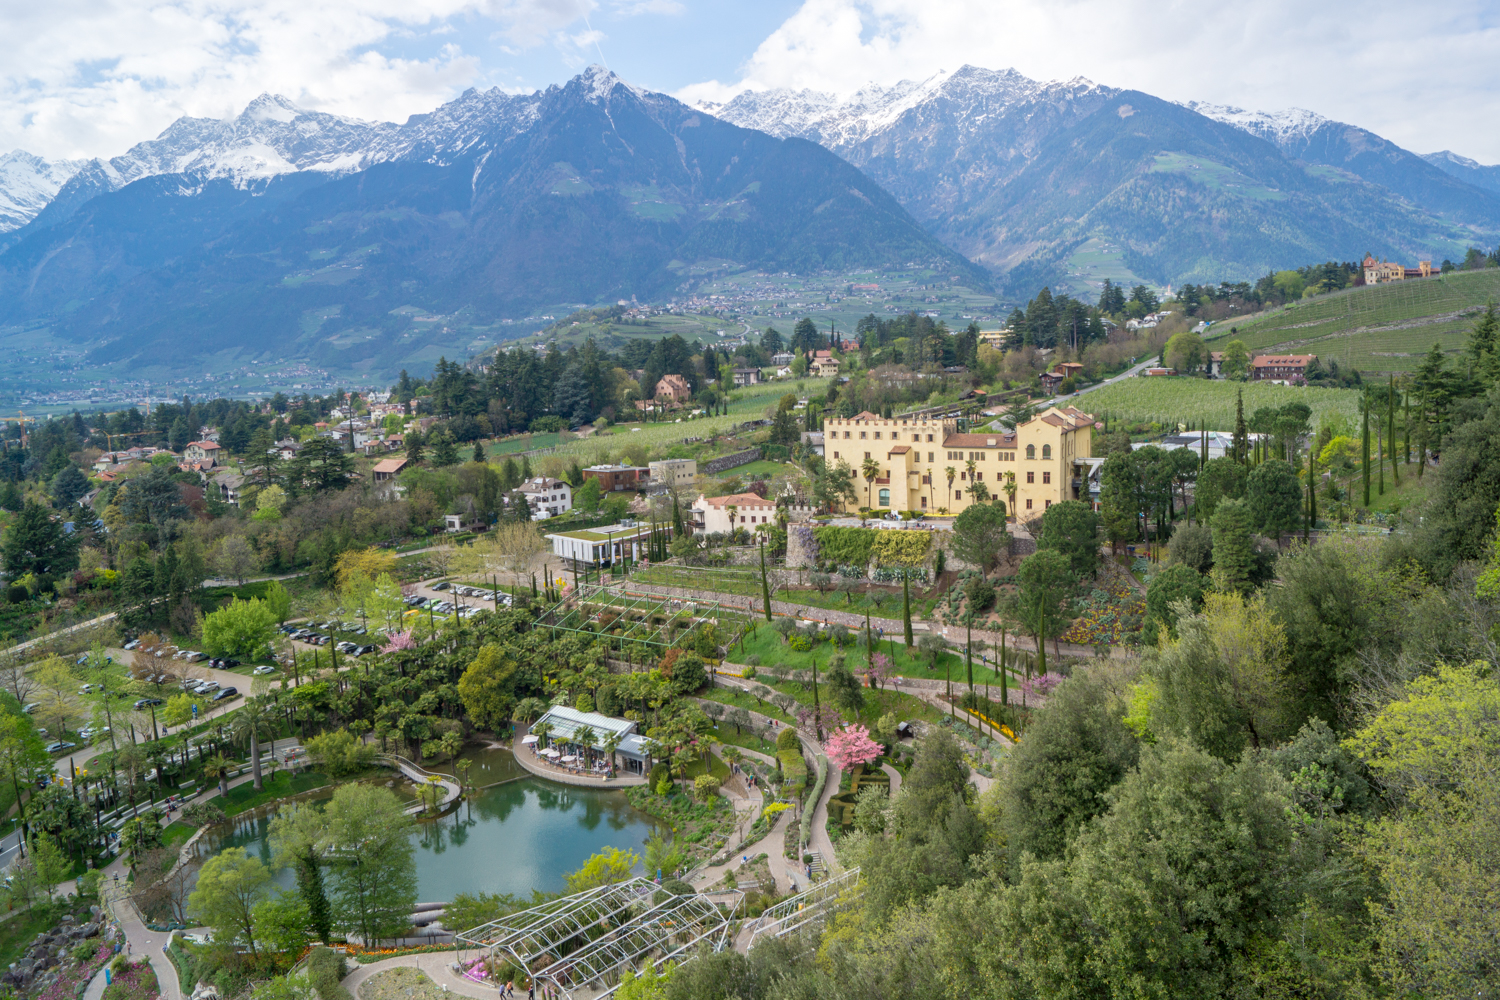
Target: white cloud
[93, 77]
[1422, 78]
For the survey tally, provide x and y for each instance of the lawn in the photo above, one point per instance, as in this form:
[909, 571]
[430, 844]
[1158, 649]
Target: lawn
[520, 443]
[743, 699]
[244, 797]
[759, 469]
[745, 582]
[725, 733]
[176, 834]
[774, 651]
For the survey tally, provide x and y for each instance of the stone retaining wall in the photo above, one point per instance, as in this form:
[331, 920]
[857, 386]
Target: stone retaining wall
[726, 462]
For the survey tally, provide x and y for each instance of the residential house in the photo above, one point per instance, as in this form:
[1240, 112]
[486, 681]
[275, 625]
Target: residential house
[547, 497]
[613, 478]
[202, 454]
[673, 472]
[673, 389]
[783, 359]
[822, 364]
[285, 449]
[747, 376]
[389, 468]
[1280, 367]
[814, 441]
[738, 510]
[1042, 459]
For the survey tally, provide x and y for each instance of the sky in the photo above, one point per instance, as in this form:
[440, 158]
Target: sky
[87, 78]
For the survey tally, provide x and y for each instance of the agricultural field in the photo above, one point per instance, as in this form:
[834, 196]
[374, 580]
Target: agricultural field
[1386, 328]
[1206, 403]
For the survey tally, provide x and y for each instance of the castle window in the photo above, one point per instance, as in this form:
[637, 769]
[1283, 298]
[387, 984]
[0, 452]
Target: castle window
[1031, 477]
[1030, 452]
[885, 498]
[1046, 451]
[1046, 478]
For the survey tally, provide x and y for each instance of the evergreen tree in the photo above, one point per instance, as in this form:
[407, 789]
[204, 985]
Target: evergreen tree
[414, 447]
[906, 609]
[310, 888]
[444, 452]
[35, 542]
[478, 451]
[1234, 553]
[1241, 443]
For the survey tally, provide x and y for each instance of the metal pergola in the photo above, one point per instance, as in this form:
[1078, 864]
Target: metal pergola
[619, 614]
[809, 908]
[584, 942]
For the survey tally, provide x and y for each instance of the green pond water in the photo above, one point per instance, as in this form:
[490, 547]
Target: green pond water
[522, 835]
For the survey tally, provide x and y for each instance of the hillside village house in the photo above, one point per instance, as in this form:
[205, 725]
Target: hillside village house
[1280, 366]
[747, 376]
[783, 358]
[1380, 271]
[388, 469]
[201, 454]
[548, 497]
[672, 389]
[914, 454]
[823, 364]
[670, 472]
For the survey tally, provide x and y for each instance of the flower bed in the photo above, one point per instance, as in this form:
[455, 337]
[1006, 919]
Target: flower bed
[71, 982]
[136, 982]
[1109, 617]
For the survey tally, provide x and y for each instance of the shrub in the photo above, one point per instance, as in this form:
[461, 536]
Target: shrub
[705, 787]
[325, 968]
[851, 546]
[787, 740]
[981, 594]
[660, 773]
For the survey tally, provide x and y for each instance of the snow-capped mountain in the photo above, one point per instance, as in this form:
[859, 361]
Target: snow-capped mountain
[942, 146]
[1280, 128]
[28, 183]
[1467, 170]
[272, 137]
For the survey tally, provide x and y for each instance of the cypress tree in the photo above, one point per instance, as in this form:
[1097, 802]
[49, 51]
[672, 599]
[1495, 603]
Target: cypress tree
[1390, 432]
[1004, 684]
[765, 584]
[906, 609]
[1364, 406]
[1312, 493]
[1241, 444]
[1234, 556]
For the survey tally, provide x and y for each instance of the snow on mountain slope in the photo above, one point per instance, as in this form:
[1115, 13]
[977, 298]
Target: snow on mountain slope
[272, 136]
[971, 99]
[28, 183]
[1281, 129]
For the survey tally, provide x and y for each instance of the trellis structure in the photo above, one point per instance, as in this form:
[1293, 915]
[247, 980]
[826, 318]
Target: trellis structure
[652, 621]
[808, 909]
[584, 942]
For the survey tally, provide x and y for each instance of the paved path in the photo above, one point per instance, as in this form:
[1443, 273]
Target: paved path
[142, 941]
[895, 777]
[437, 965]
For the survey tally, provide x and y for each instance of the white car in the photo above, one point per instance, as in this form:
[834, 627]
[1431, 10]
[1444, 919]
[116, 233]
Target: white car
[263, 669]
[207, 686]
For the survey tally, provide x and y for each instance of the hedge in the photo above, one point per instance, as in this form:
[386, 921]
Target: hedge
[846, 546]
[906, 548]
[793, 767]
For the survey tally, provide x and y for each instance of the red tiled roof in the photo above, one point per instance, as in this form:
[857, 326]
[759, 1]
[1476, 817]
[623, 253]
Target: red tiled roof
[740, 500]
[900, 449]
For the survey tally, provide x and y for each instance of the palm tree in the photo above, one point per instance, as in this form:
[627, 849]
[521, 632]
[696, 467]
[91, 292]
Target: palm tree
[952, 474]
[452, 743]
[585, 737]
[218, 766]
[732, 755]
[255, 718]
[541, 729]
[870, 470]
[1010, 491]
[611, 744]
[969, 465]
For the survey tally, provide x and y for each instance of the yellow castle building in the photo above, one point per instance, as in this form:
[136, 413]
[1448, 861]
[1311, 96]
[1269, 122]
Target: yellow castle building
[923, 463]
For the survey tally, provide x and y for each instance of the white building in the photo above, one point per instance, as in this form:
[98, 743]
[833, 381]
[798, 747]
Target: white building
[602, 546]
[548, 497]
[713, 514]
[564, 723]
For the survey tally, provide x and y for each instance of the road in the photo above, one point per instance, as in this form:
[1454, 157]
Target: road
[1128, 373]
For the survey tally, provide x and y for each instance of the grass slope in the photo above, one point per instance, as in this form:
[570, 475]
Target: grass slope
[1381, 328]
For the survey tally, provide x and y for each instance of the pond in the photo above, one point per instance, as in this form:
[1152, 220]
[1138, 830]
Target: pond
[514, 837]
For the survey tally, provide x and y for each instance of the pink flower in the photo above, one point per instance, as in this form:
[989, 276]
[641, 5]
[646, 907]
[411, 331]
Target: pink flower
[851, 745]
[399, 640]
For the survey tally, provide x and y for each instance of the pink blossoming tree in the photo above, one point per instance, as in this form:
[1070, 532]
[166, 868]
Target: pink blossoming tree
[399, 640]
[850, 746]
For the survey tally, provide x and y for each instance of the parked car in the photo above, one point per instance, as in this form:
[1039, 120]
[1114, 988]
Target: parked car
[29, 707]
[132, 644]
[264, 669]
[146, 703]
[367, 649]
[441, 585]
[86, 689]
[225, 694]
[205, 687]
[60, 746]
